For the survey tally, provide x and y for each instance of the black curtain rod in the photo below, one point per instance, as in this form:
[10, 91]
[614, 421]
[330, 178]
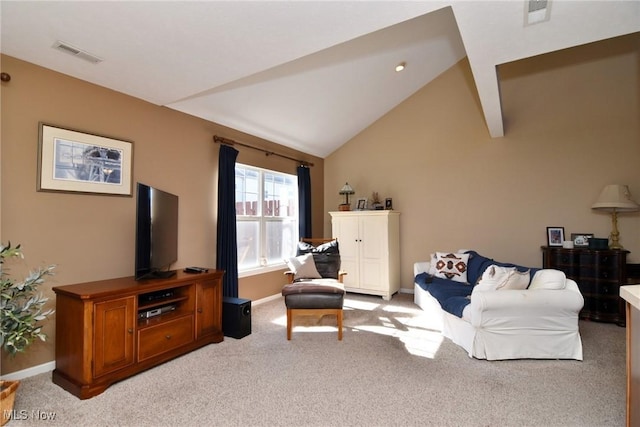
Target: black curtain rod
[227, 141]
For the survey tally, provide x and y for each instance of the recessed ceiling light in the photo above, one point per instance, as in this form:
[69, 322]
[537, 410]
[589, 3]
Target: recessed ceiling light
[400, 66]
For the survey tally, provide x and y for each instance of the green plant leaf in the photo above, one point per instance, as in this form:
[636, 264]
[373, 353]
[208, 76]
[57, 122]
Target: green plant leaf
[21, 306]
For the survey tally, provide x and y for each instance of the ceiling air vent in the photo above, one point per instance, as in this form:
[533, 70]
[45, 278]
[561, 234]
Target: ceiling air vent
[536, 11]
[78, 53]
[537, 5]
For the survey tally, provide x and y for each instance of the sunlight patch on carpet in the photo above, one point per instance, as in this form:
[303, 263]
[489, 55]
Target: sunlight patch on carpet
[417, 341]
[282, 320]
[408, 324]
[359, 305]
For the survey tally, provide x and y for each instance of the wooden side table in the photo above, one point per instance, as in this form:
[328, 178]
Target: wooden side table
[599, 274]
[632, 296]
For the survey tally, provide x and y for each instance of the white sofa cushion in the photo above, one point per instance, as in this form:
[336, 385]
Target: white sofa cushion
[548, 279]
[497, 278]
[432, 265]
[518, 280]
[494, 278]
[490, 280]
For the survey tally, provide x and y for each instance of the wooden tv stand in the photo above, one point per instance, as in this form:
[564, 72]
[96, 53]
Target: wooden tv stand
[103, 336]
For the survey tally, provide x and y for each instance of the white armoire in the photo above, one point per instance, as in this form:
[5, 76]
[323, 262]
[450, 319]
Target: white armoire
[369, 243]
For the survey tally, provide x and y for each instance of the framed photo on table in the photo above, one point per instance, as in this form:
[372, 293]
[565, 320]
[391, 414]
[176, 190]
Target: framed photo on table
[581, 240]
[555, 236]
[362, 205]
[77, 162]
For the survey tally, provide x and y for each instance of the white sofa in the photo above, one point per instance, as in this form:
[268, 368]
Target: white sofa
[510, 324]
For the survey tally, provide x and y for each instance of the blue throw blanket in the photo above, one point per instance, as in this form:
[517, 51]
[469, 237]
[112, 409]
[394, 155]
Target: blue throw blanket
[455, 296]
[452, 296]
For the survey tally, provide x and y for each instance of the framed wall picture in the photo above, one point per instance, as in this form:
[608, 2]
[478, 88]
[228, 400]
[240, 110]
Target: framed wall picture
[555, 236]
[362, 205]
[581, 240]
[79, 162]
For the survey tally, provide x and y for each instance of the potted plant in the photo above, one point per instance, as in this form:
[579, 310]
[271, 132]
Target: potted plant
[21, 311]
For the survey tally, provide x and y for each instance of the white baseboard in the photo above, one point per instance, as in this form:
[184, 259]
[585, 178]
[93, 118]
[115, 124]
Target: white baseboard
[266, 299]
[29, 372]
[406, 291]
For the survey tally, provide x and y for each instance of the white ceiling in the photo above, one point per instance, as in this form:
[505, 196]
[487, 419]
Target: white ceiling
[305, 74]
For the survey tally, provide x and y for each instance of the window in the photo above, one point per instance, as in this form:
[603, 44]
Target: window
[266, 216]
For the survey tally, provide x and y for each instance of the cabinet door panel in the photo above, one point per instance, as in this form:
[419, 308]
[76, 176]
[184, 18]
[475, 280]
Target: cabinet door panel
[350, 266]
[607, 305]
[346, 231]
[114, 337]
[374, 275]
[208, 319]
[373, 249]
[373, 236]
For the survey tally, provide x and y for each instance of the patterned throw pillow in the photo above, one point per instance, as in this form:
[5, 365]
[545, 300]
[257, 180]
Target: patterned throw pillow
[452, 266]
[303, 267]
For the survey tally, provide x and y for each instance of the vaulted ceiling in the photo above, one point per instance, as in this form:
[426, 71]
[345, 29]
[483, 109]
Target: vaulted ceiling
[309, 75]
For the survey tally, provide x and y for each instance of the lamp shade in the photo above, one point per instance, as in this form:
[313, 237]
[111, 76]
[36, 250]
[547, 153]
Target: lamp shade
[615, 197]
[346, 189]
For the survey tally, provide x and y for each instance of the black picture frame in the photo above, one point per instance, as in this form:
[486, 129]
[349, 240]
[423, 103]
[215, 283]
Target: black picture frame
[555, 236]
[388, 204]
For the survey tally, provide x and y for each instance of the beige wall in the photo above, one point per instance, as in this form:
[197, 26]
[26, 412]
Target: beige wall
[91, 237]
[572, 123]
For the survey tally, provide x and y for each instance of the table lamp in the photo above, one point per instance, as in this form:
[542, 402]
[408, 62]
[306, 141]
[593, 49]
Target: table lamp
[615, 198]
[346, 190]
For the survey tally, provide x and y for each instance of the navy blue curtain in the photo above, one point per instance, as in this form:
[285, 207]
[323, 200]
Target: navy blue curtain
[227, 244]
[304, 201]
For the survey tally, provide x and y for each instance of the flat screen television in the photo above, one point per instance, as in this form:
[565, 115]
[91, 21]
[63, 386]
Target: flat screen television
[156, 232]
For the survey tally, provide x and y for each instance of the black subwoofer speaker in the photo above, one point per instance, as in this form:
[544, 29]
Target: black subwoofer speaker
[236, 317]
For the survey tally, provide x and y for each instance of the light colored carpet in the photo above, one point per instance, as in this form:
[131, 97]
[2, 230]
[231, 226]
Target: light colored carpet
[387, 371]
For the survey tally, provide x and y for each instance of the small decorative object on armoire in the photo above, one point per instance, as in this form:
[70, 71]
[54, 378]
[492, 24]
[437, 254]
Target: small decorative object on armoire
[346, 190]
[362, 204]
[615, 198]
[375, 204]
